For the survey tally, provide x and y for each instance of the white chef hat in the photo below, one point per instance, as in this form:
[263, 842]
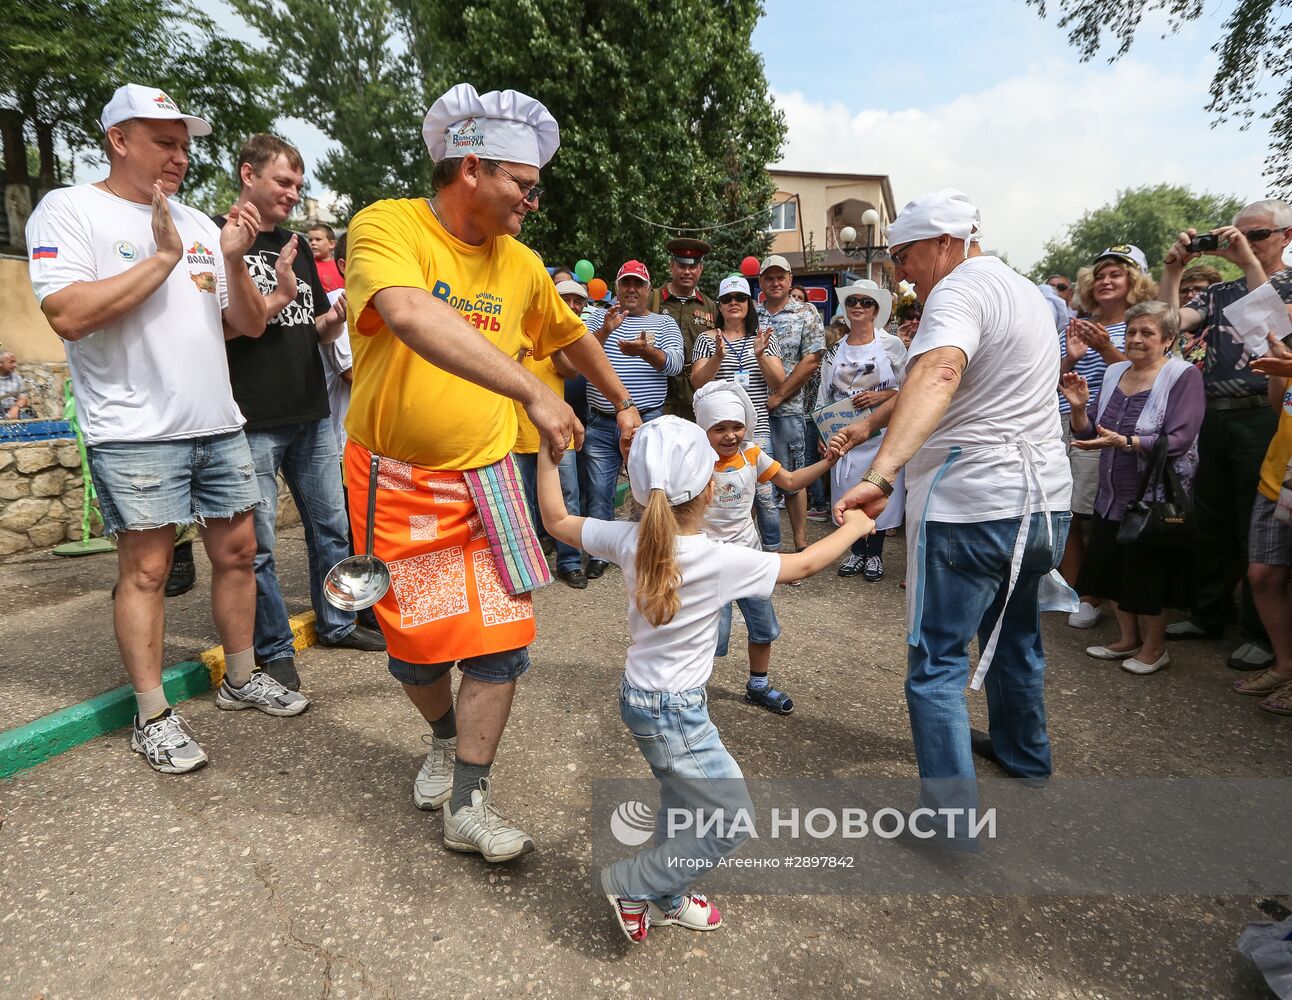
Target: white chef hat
[943, 213]
[500, 125]
[673, 455]
[720, 400]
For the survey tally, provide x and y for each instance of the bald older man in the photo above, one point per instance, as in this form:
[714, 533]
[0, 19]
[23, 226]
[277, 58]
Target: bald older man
[976, 427]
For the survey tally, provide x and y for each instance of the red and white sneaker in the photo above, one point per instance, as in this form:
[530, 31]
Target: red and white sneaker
[695, 914]
[633, 916]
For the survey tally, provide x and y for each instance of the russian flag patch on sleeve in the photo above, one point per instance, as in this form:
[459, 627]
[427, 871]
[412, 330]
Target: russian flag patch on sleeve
[44, 253]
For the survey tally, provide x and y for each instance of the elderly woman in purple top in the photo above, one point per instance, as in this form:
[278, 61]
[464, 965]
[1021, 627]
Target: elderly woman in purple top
[1142, 398]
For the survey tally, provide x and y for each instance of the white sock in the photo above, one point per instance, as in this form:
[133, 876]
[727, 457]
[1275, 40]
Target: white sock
[150, 704]
[238, 667]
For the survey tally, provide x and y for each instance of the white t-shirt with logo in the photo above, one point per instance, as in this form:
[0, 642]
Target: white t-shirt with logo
[678, 655]
[159, 373]
[1006, 397]
[730, 518]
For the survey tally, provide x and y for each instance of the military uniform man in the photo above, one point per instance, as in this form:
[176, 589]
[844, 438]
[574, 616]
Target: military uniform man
[680, 297]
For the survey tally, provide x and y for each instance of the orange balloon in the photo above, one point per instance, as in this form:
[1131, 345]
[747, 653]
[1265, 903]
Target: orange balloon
[597, 289]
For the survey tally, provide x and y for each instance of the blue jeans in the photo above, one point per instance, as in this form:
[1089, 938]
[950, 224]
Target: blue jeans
[306, 455]
[766, 514]
[567, 556]
[965, 576]
[601, 450]
[760, 623]
[816, 492]
[695, 772]
[789, 444]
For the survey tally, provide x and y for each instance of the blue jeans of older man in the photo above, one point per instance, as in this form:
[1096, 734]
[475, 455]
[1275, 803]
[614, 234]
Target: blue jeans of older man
[963, 582]
[567, 556]
[306, 454]
[601, 449]
[766, 514]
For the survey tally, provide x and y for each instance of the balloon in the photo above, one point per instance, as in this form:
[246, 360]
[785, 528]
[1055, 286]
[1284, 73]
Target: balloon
[597, 289]
[749, 267]
[584, 270]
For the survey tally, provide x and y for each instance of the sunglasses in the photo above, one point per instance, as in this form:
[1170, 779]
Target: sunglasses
[857, 302]
[1257, 235]
[528, 192]
[1060, 286]
[726, 300]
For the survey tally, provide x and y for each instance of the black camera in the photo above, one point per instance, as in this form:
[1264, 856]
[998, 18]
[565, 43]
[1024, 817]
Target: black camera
[1204, 243]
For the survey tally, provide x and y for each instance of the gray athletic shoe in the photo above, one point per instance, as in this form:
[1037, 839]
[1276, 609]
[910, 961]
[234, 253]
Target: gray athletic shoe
[167, 744]
[481, 828]
[262, 692]
[434, 782]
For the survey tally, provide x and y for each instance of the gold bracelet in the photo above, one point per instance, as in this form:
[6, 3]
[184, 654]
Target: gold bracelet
[874, 478]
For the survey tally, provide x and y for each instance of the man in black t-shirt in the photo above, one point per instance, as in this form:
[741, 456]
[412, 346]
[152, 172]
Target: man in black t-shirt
[279, 385]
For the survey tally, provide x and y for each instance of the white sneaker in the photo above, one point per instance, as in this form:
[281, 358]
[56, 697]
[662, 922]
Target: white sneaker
[434, 782]
[695, 914]
[1086, 616]
[481, 828]
[262, 692]
[167, 744]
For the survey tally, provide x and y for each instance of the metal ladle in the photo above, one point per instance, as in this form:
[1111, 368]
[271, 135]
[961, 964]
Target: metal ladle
[359, 581]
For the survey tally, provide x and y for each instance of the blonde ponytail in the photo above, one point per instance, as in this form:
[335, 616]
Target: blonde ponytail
[658, 575]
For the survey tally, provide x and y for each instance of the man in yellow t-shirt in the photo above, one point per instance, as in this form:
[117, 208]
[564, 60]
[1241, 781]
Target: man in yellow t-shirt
[553, 371]
[442, 300]
[1269, 541]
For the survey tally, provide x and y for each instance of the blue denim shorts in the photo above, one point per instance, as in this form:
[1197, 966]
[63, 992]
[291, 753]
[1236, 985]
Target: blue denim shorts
[789, 440]
[151, 484]
[491, 668]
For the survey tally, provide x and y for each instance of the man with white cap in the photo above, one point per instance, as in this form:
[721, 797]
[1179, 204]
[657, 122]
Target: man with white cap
[442, 302]
[976, 426]
[144, 291]
[800, 338]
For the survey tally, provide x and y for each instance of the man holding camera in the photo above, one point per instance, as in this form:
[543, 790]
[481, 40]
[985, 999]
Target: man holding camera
[1238, 425]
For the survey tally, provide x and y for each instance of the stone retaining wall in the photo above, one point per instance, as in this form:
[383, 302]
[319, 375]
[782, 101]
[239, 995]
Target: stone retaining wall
[41, 494]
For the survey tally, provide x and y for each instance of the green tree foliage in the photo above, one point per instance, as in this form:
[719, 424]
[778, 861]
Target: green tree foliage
[1255, 68]
[60, 61]
[1150, 217]
[664, 111]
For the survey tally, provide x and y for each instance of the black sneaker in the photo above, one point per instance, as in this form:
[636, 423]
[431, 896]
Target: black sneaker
[183, 574]
[596, 569]
[284, 672]
[576, 578]
[873, 570]
[363, 639]
[368, 619]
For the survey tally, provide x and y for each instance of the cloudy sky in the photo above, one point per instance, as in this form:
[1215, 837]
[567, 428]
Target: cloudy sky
[989, 98]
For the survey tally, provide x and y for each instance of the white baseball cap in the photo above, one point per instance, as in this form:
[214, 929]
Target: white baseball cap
[134, 101]
[673, 455]
[775, 260]
[568, 287]
[733, 283]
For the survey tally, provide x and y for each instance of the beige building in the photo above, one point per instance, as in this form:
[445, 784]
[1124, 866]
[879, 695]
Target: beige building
[811, 209]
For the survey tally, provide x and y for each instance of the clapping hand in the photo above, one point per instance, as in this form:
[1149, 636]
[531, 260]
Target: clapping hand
[284, 276]
[239, 230]
[614, 316]
[761, 340]
[1103, 439]
[1075, 390]
[1093, 334]
[165, 235]
[1076, 347]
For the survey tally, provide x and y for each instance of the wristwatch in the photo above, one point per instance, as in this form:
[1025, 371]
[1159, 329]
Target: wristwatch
[873, 477]
[625, 404]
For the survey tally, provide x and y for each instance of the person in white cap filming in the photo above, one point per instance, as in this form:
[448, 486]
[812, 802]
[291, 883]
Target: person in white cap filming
[442, 302]
[678, 581]
[976, 426]
[143, 291]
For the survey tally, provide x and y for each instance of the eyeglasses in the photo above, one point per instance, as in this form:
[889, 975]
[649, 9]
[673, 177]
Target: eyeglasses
[726, 300]
[1257, 235]
[857, 302]
[528, 192]
[896, 256]
[1060, 286]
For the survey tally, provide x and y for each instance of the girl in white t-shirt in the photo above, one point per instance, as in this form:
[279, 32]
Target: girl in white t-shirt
[678, 581]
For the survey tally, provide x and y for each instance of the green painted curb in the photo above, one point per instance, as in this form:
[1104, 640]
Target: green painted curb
[52, 734]
[621, 491]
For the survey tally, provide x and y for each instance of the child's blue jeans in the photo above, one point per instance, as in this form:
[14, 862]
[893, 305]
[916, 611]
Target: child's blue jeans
[698, 778]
